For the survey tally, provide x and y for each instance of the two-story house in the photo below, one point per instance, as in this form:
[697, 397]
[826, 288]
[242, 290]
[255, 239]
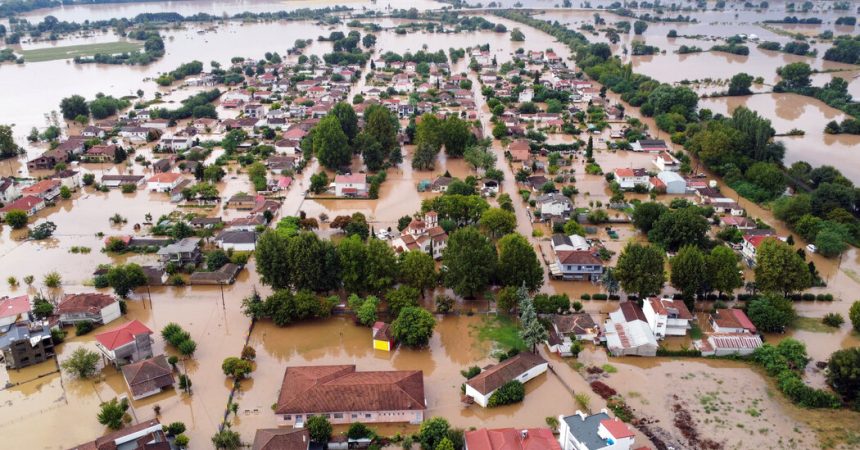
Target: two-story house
[577, 265]
[630, 178]
[351, 185]
[667, 317]
[88, 307]
[594, 432]
[182, 253]
[126, 344]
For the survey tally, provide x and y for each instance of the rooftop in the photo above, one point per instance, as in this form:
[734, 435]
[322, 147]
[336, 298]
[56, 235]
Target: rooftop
[122, 335]
[281, 439]
[15, 306]
[494, 377]
[511, 439]
[90, 303]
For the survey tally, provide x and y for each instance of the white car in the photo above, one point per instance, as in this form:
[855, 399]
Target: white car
[383, 234]
[811, 248]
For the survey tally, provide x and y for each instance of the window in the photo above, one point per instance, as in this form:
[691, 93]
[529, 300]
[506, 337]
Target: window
[288, 417]
[338, 416]
[367, 416]
[355, 416]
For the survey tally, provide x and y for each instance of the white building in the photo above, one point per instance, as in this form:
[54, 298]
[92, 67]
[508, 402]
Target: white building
[666, 162]
[594, 432]
[522, 367]
[163, 182]
[91, 307]
[630, 178]
[237, 240]
[526, 95]
[674, 183]
[351, 185]
[719, 344]
[667, 317]
[628, 333]
[571, 243]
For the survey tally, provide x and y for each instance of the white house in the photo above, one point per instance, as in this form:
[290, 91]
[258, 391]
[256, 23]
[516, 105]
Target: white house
[731, 321]
[594, 432]
[666, 162]
[90, 307]
[522, 367]
[751, 243]
[9, 190]
[628, 333]
[630, 178]
[554, 205]
[176, 143]
[237, 240]
[674, 183]
[351, 185]
[526, 95]
[667, 317]
[163, 182]
[134, 133]
[574, 242]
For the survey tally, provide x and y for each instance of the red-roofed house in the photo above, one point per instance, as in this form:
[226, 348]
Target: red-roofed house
[382, 339]
[667, 317]
[29, 204]
[12, 309]
[163, 182]
[731, 321]
[351, 185]
[45, 189]
[511, 439]
[751, 243]
[126, 344]
[89, 307]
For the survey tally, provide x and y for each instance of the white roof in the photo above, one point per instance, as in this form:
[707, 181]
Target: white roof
[668, 177]
[629, 334]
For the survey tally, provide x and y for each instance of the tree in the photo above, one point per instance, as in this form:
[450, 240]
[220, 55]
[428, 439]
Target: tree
[424, 157]
[347, 118]
[319, 429]
[381, 125]
[52, 279]
[470, 259]
[112, 413]
[843, 374]
[8, 147]
[498, 222]
[689, 273]
[771, 313]
[417, 269]
[358, 430]
[723, 271]
[236, 368]
[780, 269]
[74, 106]
[216, 259]
[82, 364]
[445, 444]
[518, 263]
[511, 392]
[16, 218]
[43, 230]
[640, 269]
[517, 35]
[227, 439]
[213, 173]
[352, 254]
[740, 84]
[639, 27]
[432, 432]
[366, 311]
[795, 75]
[413, 326]
[331, 145]
[381, 266]
[125, 278]
[676, 228]
[400, 298]
[357, 226]
[854, 315]
[646, 214]
[532, 331]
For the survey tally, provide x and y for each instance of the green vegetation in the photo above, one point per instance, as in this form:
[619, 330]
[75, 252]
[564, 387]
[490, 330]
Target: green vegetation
[786, 362]
[502, 331]
[511, 392]
[75, 51]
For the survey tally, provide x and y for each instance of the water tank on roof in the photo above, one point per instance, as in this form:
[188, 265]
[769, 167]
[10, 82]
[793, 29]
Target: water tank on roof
[712, 183]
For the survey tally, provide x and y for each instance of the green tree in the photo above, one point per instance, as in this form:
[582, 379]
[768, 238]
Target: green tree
[740, 84]
[216, 259]
[445, 444]
[366, 313]
[413, 326]
[646, 214]
[723, 271]
[498, 222]
[112, 413]
[471, 261]
[780, 269]
[456, 135]
[213, 173]
[795, 75]
[319, 429]
[679, 227]
[424, 157]
[843, 374]
[381, 266]
[400, 298]
[74, 106]
[771, 313]
[854, 315]
[352, 253]
[347, 118]
[236, 368]
[639, 27]
[689, 273]
[517, 35]
[82, 364]
[432, 432]
[16, 218]
[8, 147]
[331, 144]
[227, 439]
[382, 125]
[65, 192]
[640, 269]
[125, 278]
[518, 263]
[417, 269]
[532, 332]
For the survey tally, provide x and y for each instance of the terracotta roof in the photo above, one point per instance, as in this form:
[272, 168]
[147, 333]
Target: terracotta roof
[577, 323]
[382, 332]
[511, 439]
[732, 318]
[281, 439]
[23, 203]
[321, 389]
[356, 178]
[164, 178]
[668, 307]
[108, 441]
[147, 375]
[15, 306]
[578, 257]
[494, 377]
[87, 303]
[123, 335]
[632, 312]
[41, 187]
[616, 428]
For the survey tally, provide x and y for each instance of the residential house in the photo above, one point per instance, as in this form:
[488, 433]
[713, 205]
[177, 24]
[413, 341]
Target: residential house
[670, 183]
[554, 205]
[91, 131]
[148, 377]
[89, 307]
[254, 110]
[100, 154]
[134, 133]
[667, 317]
[666, 162]
[567, 328]
[182, 253]
[248, 223]
[649, 145]
[163, 182]
[577, 265]
[628, 333]
[382, 339]
[9, 190]
[177, 194]
[526, 95]
[343, 395]
[423, 234]
[176, 143]
[522, 367]
[631, 178]
[440, 184]
[237, 240]
[147, 435]
[162, 165]
[731, 321]
[594, 432]
[29, 204]
[128, 343]
[574, 242]
[520, 150]
[242, 201]
[115, 181]
[741, 223]
[205, 222]
[281, 439]
[49, 159]
[511, 439]
[68, 178]
[351, 185]
[157, 124]
[47, 190]
[225, 275]
[277, 164]
[23, 340]
[751, 242]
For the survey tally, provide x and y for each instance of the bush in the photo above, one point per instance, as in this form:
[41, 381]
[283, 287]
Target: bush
[834, 320]
[471, 372]
[82, 328]
[599, 297]
[585, 297]
[511, 392]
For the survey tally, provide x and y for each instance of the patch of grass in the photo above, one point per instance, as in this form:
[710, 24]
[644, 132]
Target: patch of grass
[695, 332]
[753, 412]
[812, 324]
[502, 331]
[71, 51]
[609, 368]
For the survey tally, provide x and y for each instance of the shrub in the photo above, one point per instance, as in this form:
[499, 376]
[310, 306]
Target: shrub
[834, 320]
[511, 392]
[82, 328]
[585, 296]
[471, 372]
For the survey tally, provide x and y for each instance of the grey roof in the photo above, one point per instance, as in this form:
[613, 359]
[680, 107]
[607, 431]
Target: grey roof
[237, 237]
[23, 331]
[560, 239]
[186, 245]
[585, 430]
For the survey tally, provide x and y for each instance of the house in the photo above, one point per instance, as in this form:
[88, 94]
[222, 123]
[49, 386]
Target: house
[158, 124]
[281, 439]
[526, 95]
[47, 190]
[628, 333]
[673, 183]
[148, 377]
[225, 275]
[130, 342]
[205, 222]
[184, 252]
[68, 178]
[100, 154]
[569, 327]
[351, 185]
[511, 439]
[577, 265]
[522, 367]
[242, 201]
[162, 165]
[249, 223]
[382, 339]
[741, 223]
[175, 143]
[278, 164]
[631, 178]
[9, 190]
[23, 340]
[47, 160]
[91, 131]
[593, 432]
[440, 184]
[719, 344]
[254, 110]
[731, 321]
[649, 145]
[666, 162]
[574, 242]
[89, 307]
[134, 133]
[237, 240]
[29, 204]
[667, 317]
[163, 182]
[520, 150]
[177, 194]
[147, 435]
[751, 242]
[344, 395]
[115, 181]
[554, 205]
[423, 234]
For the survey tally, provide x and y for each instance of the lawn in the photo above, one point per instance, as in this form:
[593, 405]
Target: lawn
[813, 324]
[71, 51]
[502, 331]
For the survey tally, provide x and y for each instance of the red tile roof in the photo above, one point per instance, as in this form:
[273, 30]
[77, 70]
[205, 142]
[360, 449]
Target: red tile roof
[617, 428]
[579, 257]
[511, 439]
[41, 187]
[494, 377]
[356, 178]
[123, 335]
[281, 439]
[148, 375]
[15, 306]
[87, 303]
[164, 178]
[667, 306]
[732, 318]
[24, 204]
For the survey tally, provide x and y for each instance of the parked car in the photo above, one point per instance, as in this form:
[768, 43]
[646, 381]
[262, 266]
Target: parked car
[811, 248]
